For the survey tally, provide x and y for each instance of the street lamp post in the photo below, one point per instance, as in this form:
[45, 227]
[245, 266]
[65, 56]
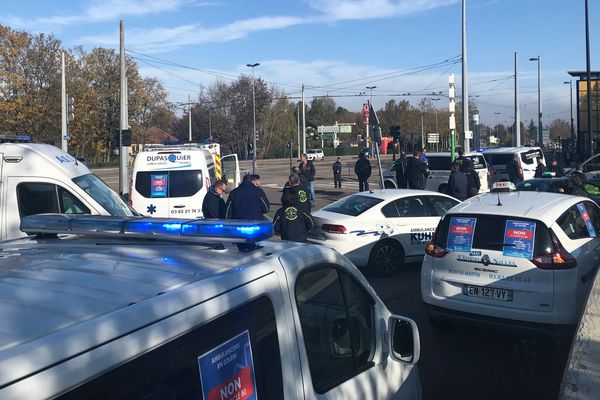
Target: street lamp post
[254, 119]
[371, 104]
[570, 83]
[539, 62]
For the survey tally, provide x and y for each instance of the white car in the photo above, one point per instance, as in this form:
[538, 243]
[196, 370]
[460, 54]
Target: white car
[381, 229]
[519, 259]
[315, 154]
[499, 157]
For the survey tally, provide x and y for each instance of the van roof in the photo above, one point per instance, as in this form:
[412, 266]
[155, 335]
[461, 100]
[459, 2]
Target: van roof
[510, 150]
[34, 159]
[542, 206]
[57, 291]
[447, 154]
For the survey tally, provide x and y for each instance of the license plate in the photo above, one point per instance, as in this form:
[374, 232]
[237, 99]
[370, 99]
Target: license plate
[488, 293]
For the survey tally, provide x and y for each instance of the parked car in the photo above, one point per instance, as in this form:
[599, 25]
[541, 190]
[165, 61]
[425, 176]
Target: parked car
[499, 157]
[315, 154]
[381, 229]
[557, 185]
[522, 261]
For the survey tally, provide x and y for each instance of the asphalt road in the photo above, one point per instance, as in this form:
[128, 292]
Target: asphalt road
[457, 362]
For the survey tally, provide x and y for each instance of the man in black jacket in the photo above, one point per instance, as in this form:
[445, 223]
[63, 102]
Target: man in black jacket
[415, 172]
[337, 174]
[307, 169]
[295, 183]
[290, 222]
[247, 201]
[514, 171]
[362, 169]
[213, 205]
[400, 168]
[457, 183]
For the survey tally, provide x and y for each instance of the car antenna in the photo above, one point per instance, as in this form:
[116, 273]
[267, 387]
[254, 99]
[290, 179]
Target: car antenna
[499, 203]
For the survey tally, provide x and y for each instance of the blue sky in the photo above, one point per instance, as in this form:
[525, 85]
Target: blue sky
[338, 47]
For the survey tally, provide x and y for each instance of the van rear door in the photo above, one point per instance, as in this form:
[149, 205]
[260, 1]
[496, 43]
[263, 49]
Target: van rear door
[231, 171]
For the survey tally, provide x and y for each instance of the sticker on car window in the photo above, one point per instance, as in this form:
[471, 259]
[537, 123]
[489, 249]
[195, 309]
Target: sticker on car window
[586, 219]
[227, 371]
[519, 239]
[460, 234]
[158, 185]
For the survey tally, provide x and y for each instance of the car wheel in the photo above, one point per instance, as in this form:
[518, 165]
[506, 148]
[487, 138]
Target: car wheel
[387, 257]
[389, 185]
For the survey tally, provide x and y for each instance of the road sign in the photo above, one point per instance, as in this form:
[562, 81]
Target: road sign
[328, 129]
[67, 137]
[468, 134]
[328, 136]
[345, 128]
[433, 138]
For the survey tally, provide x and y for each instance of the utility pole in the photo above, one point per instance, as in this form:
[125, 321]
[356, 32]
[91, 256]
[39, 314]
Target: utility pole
[465, 92]
[589, 141]
[189, 118]
[63, 103]
[452, 119]
[517, 130]
[209, 125]
[303, 123]
[298, 116]
[124, 121]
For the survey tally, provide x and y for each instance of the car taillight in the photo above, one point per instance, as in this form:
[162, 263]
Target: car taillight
[330, 228]
[558, 259]
[435, 250]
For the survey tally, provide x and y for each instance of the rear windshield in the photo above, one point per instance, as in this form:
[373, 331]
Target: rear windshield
[498, 159]
[353, 205]
[172, 183]
[489, 232]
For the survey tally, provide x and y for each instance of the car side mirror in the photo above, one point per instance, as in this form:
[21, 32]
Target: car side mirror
[405, 345]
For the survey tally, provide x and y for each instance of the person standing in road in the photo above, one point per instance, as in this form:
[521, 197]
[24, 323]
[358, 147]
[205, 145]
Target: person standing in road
[303, 192]
[400, 168]
[556, 168]
[514, 171]
[290, 221]
[540, 169]
[415, 172]
[473, 181]
[337, 173]
[457, 183]
[575, 186]
[247, 201]
[213, 205]
[362, 169]
[307, 169]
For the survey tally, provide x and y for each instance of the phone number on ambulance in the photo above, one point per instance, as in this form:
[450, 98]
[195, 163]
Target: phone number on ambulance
[190, 211]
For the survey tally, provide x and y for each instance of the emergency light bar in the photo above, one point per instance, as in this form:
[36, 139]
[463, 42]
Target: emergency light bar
[15, 139]
[207, 230]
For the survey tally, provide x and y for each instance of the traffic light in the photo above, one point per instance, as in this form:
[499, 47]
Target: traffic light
[396, 133]
[70, 109]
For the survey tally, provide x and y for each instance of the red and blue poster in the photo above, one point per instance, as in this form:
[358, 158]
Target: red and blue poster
[586, 219]
[460, 234]
[158, 185]
[519, 239]
[227, 371]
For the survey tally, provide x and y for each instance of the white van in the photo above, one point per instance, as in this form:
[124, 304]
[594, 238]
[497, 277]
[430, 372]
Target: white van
[171, 181]
[40, 178]
[499, 157]
[439, 167]
[150, 309]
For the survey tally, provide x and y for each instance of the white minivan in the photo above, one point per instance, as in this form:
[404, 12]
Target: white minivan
[40, 178]
[171, 181]
[130, 308]
[499, 157]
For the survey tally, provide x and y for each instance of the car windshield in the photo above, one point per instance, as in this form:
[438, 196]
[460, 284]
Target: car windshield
[353, 205]
[104, 195]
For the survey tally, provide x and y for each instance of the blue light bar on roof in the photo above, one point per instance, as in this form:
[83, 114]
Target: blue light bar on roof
[204, 230]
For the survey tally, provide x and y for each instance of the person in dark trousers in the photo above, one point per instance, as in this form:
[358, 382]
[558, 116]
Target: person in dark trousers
[400, 168]
[555, 167]
[415, 172]
[362, 169]
[457, 183]
[213, 205]
[540, 169]
[307, 169]
[514, 171]
[337, 173]
[302, 190]
[289, 221]
[473, 181]
[247, 201]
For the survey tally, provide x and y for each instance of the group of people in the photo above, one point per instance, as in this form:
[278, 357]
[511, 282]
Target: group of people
[248, 201]
[464, 181]
[412, 172]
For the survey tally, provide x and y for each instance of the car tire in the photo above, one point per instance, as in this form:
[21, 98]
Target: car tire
[386, 258]
[389, 185]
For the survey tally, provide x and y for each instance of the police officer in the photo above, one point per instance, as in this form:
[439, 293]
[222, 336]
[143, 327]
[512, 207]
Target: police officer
[362, 169]
[457, 183]
[514, 171]
[295, 183]
[415, 172]
[213, 205]
[540, 169]
[307, 169]
[400, 168]
[337, 174]
[290, 222]
[473, 181]
[247, 201]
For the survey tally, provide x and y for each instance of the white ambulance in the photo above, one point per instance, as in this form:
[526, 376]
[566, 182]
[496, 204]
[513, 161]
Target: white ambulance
[40, 178]
[150, 308]
[171, 181]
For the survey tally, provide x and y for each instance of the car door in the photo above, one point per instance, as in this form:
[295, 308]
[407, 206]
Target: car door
[231, 171]
[413, 223]
[340, 329]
